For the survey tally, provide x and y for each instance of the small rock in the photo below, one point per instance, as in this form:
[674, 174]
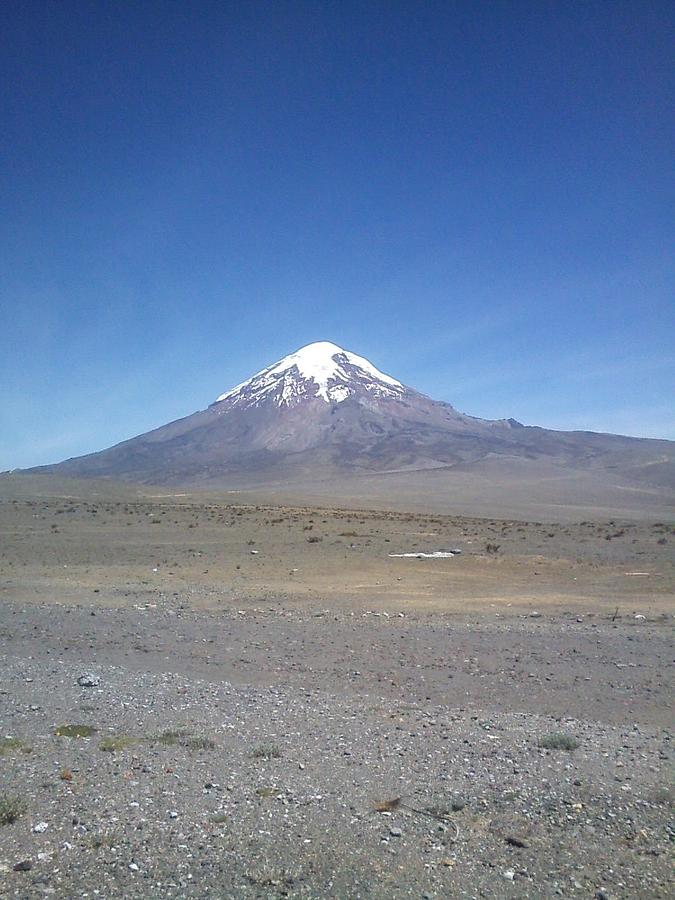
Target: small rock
[535, 615]
[133, 867]
[515, 841]
[509, 874]
[395, 832]
[24, 866]
[88, 679]
[173, 814]
[601, 894]
[41, 827]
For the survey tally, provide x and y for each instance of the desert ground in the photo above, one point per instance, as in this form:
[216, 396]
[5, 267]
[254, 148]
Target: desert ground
[210, 695]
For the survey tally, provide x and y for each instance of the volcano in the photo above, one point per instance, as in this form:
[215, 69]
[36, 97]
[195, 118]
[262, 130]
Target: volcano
[325, 413]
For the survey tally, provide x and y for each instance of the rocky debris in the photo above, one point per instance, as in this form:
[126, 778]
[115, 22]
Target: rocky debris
[301, 822]
[173, 788]
[89, 680]
[24, 866]
[516, 841]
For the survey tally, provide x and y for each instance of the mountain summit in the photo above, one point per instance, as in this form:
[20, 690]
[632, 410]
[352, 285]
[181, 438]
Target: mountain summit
[325, 413]
[318, 370]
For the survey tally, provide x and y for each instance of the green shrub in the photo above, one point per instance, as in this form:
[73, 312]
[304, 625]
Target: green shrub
[558, 741]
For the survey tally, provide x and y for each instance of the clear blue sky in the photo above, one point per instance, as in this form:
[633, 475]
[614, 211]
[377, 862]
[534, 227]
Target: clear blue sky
[476, 196]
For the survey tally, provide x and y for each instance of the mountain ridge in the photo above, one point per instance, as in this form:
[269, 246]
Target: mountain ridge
[325, 412]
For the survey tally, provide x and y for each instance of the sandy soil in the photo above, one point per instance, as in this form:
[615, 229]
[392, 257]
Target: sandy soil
[267, 675]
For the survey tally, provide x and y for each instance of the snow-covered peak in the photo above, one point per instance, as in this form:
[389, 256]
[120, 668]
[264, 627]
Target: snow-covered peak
[321, 370]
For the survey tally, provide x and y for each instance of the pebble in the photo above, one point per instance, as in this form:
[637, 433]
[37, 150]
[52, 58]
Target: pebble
[395, 832]
[41, 827]
[24, 866]
[88, 679]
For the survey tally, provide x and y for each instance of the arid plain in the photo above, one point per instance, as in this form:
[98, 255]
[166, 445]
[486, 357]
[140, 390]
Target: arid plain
[281, 707]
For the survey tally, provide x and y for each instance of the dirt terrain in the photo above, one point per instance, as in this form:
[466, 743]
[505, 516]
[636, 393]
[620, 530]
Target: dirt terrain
[204, 696]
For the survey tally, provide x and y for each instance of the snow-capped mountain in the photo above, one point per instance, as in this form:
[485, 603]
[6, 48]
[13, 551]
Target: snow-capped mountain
[323, 412]
[318, 370]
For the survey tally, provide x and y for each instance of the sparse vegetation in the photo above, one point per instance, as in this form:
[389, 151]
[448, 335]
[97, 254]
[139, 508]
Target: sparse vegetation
[197, 742]
[7, 745]
[558, 741]
[10, 809]
[182, 738]
[169, 738]
[75, 731]
[267, 751]
[265, 792]
[113, 744]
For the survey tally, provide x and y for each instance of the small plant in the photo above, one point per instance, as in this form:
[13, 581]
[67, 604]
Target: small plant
[103, 841]
[492, 548]
[267, 751]
[66, 775]
[170, 738]
[75, 731]
[9, 744]
[265, 792]
[558, 741]
[113, 744]
[182, 738]
[196, 742]
[10, 809]
[663, 796]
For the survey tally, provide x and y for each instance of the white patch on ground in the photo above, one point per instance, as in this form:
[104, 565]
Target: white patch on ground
[435, 554]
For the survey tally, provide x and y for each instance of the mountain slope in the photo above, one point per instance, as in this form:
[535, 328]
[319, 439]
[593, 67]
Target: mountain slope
[324, 412]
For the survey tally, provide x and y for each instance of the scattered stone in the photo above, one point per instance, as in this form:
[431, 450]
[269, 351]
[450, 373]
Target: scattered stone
[515, 841]
[41, 827]
[395, 832]
[24, 866]
[89, 679]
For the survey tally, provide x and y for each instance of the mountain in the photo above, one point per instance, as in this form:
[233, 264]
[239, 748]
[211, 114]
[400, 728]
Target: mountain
[323, 413]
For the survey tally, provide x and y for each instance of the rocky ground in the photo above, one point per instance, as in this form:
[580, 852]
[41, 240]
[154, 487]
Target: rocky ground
[182, 717]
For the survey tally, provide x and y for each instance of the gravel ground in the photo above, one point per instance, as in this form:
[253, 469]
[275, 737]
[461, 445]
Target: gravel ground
[273, 706]
[194, 785]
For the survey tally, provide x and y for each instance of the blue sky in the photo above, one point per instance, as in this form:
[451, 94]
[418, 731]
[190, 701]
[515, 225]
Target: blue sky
[478, 197]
